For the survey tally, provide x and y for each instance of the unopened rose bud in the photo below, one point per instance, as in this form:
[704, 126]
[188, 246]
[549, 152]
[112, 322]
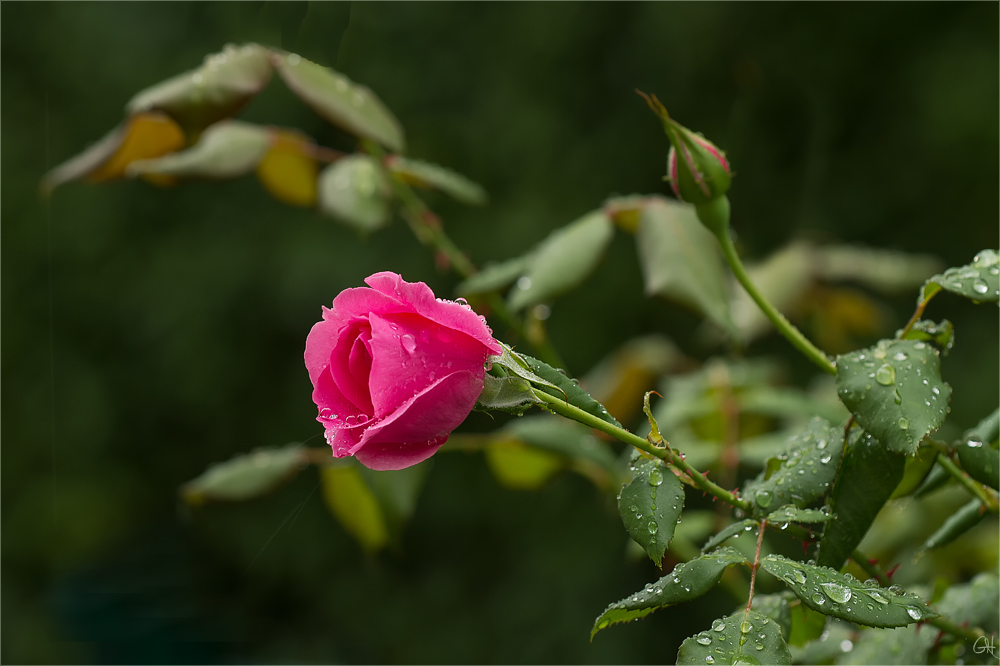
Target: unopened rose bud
[698, 171]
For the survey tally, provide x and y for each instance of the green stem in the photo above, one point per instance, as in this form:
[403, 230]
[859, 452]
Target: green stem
[976, 489]
[563, 408]
[716, 217]
[872, 570]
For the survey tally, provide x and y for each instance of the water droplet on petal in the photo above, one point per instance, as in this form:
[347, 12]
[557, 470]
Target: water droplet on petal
[409, 343]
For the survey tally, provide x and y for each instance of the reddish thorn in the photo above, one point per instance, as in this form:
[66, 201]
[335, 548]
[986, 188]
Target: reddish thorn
[705, 473]
[889, 574]
[432, 220]
[873, 561]
[441, 261]
[937, 641]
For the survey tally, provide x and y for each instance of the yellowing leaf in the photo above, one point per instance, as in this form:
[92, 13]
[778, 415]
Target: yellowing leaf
[354, 505]
[147, 136]
[521, 467]
[288, 171]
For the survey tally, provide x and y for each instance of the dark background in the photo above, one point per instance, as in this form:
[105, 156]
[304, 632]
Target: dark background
[149, 332]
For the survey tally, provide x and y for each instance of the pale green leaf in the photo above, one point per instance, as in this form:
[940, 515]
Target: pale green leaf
[976, 602]
[681, 261]
[495, 277]
[218, 89]
[428, 175]
[341, 102]
[354, 191]
[827, 644]
[246, 476]
[563, 260]
[889, 646]
[888, 271]
[956, 525]
[354, 505]
[227, 149]
[521, 467]
[895, 391]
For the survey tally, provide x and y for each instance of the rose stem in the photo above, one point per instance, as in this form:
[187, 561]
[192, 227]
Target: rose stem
[715, 216]
[756, 562]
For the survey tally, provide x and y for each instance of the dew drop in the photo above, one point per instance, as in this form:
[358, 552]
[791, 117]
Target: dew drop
[897, 590]
[818, 599]
[919, 345]
[914, 612]
[718, 625]
[975, 444]
[758, 646]
[885, 375]
[524, 283]
[800, 577]
[900, 356]
[709, 659]
[653, 527]
[825, 459]
[836, 592]
[903, 423]
[746, 627]
[980, 287]
[763, 498]
[655, 477]
[846, 645]
[704, 638]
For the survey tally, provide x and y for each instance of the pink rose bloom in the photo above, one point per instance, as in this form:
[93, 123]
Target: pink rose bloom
[395, 370]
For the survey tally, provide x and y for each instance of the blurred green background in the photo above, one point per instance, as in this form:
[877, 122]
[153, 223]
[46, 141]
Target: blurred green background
[149, 332]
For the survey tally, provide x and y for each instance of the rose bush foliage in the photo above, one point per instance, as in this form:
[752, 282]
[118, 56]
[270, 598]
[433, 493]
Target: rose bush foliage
[395, 370]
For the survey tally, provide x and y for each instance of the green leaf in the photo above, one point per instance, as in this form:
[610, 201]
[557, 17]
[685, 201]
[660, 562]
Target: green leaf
[895, 391]
[521, 467]
[807, 625]
[775, 606]
[680, 260]
[495, 277]
[563, 260]
[728, 532]
[741, 638]
[218, 89]
[937, 478]
[978, 281]
[956, 525]
[868, 476]
[354, 505]
[650, 506]
[793, 514]
[354, 191]
[246, 476]
[826, 644]
[561, 386]
[341, 102]
[975, 602]
[688, 580]
[987, 429]
[887, 271]
[915, 470]
[227, 149]
[940, 335]
[804, 472]
[511, 394]
[427, 175]
[840, 595]
[878, 646]
[980, 460]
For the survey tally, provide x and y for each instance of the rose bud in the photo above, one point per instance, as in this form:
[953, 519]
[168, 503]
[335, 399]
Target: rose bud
[395, 370]
[702, 173]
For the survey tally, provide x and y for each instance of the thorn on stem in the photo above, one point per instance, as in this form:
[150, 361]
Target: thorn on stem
[889, 574]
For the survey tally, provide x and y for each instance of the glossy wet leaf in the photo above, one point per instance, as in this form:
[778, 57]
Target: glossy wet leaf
[521, 467]
[868, 476]
[563, 260]
[431, 176]
[728, 532]
[957, 524]
[568, 389]
[341, 102]
[978, 281]
[832, 593]
[803, 473]
[888, 271]
[650, 506]
[895, 391]
[741, 638]
[227, 149]
[688, 580]
[354, 505]
[288, 170]
[680, 260]
[143, 136]
[889, 646]
[980, 460]
[495, 277]
[976, 602]
[218, 89]
[793, 514]
[915, 470]
[940, 335]
[246, 476]
[354, 191]
[775, 606]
